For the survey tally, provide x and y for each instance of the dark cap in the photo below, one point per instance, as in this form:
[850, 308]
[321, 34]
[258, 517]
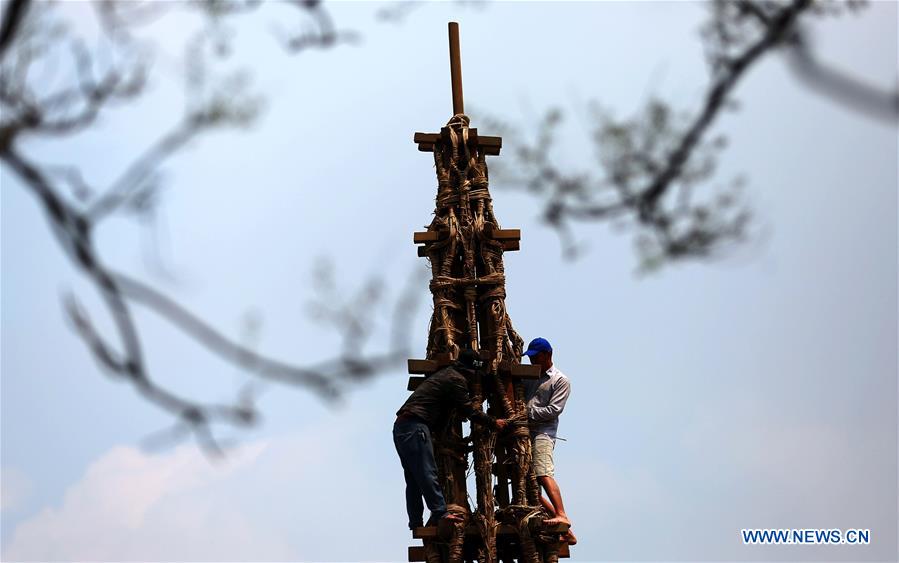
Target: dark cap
[538, 345]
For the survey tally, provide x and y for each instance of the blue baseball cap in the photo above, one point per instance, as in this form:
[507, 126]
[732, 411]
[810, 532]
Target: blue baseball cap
[538, 345]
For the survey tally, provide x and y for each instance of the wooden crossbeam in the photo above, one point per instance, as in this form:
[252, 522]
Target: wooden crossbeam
[438, 361]
[504, 235]
[490, 146]
[427, 367]
[521, 371]
[417, 553]
[427, 236]
[429, 532]
[482, 140]
[489, 151]
[508, 246]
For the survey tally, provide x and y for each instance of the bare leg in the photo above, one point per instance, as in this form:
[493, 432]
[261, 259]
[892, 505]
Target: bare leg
[555, 498]
[568, 537]
[547, 506]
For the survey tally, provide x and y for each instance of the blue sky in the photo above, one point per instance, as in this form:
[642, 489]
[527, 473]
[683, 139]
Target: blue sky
[756, 391]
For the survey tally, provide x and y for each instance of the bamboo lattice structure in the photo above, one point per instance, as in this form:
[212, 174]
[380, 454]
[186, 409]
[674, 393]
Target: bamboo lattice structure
[465, 245]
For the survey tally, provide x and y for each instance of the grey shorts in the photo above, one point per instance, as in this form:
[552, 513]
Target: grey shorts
[542, 455]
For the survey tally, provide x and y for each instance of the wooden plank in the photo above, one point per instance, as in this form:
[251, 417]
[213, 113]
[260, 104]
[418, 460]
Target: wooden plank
[425, 137]
[486, 144]
[414, 382]
[521, 371]
[483, 140]
[525, 371]
[422, 366]
[508, 246]
[427, 236]
[427, 532]
[423, 532]
[427, 367]
[506, 234]
[490, 142]
[417, 553]
[489, 151]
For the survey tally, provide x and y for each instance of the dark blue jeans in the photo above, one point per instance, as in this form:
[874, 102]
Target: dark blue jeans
[413, 444]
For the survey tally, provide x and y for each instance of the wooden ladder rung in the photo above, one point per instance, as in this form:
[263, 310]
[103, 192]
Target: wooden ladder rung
[425, 367]
[521, 371]
[487, 145]
[508, 246]
[482, 140]
[427, 236]
[502, 235]
[417, 553]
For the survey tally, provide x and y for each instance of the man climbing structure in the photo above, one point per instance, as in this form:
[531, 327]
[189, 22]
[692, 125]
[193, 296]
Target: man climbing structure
[546, 398]
[424, 412]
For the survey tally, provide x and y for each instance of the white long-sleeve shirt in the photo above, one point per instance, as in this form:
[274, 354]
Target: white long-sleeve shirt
[546, 398]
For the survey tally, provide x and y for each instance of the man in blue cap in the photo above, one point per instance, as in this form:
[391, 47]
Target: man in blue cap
[546, 399]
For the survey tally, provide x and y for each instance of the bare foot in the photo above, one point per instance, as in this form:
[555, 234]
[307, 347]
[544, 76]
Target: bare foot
[569, 537]
[556, 520]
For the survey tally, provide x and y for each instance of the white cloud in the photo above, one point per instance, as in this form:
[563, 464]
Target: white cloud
[136, 506]
[291, 498]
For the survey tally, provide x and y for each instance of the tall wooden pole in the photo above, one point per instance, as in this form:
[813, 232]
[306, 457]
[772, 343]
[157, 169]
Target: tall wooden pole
[465, 248]
[455, 68]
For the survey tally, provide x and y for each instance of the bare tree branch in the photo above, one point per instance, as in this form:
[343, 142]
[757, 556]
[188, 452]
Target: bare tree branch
[28, 110]
[840, 87]
[12, 19]
[74, 230]
[651, 163]
[779, 27]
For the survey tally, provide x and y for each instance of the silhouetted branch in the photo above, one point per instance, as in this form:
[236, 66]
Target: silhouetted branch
[322, 34]
[74, 230]
[13, 15]
[29, 110]
[652, 162]
[839, 86]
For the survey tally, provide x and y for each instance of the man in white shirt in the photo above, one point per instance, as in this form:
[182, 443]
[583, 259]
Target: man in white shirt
[546, 398]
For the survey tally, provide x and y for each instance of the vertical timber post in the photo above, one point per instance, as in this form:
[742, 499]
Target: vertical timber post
[456, 68]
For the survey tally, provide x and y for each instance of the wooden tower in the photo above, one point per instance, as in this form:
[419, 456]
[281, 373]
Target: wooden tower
[465, 245]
